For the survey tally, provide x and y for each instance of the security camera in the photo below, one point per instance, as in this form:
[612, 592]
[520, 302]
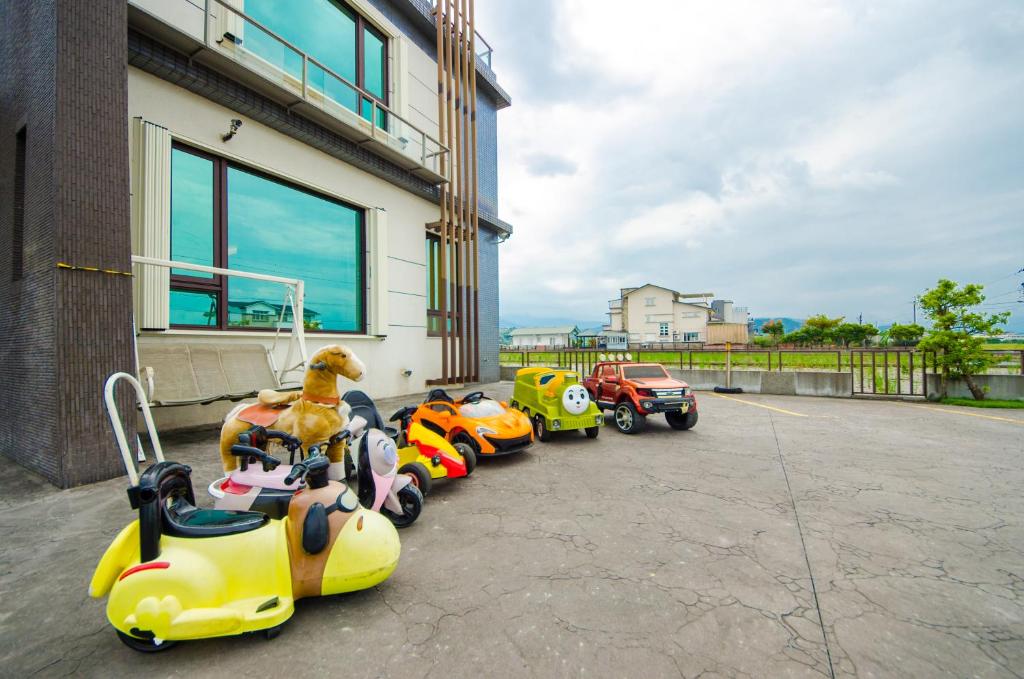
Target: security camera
[235, 124]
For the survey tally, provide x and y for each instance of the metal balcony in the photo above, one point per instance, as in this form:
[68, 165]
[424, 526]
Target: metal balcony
[216, 34]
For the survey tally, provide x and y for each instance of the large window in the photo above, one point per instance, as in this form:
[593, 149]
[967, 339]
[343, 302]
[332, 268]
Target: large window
[229, 216]
[333, 34]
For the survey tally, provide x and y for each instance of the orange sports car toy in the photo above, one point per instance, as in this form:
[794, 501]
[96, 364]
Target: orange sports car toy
[490, 427]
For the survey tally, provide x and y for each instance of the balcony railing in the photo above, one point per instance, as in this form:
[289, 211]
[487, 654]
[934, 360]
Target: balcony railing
[232, 33]
[615, 304]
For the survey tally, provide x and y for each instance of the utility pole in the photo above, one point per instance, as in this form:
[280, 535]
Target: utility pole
[915, 309]
[860, 318]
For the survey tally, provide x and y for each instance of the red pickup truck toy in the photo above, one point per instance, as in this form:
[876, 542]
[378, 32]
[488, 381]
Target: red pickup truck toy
[635, 390]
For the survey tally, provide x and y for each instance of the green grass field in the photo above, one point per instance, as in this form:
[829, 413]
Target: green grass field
[987, 403]
[743, 360]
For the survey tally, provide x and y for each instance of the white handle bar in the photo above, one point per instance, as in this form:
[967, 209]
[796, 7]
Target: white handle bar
[115, 422]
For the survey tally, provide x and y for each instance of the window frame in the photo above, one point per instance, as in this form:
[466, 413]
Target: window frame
[218, 285]
[663, 330]
[434, 284]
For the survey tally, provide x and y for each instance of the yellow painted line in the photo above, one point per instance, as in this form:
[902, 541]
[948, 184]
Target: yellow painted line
[961, 412]
[759, 405]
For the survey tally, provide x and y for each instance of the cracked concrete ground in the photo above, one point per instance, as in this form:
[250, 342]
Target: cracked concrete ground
[703, 553]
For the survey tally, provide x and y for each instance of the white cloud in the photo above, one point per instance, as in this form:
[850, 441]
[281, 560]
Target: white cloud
[851, 153]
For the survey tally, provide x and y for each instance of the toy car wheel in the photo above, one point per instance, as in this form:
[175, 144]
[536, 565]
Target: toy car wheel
[272, 633]
[540, 429]
[468, 454]
[592, 432]
[420, 476]
[627, 419]
[411, 500]
[681, 421]
[143, 645]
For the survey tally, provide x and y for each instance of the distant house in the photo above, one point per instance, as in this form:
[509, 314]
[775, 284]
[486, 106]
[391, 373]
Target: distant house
[559, 336]
[262, 314]
[654, 314]
[728, 323]
[651, 313]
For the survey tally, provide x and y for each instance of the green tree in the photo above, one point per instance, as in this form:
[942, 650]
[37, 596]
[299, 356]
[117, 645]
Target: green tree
[959, 331]
[820, 329]
[905, 334]
[853, 333]
[774, 329]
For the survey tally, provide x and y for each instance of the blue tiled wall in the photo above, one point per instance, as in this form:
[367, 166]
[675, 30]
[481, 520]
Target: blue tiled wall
[488, 249]
[487, 153]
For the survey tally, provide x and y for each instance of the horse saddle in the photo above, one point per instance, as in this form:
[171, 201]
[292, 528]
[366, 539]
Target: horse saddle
[262, 414]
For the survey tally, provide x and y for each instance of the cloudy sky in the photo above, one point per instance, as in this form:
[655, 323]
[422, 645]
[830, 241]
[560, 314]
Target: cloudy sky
[797, 157]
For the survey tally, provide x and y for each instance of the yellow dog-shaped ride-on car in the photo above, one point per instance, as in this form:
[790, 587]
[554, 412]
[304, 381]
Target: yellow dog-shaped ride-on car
[179, 572]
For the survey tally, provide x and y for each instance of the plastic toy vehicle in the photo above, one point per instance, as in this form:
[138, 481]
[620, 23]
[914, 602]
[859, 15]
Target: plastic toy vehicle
[179, 572]
[487, 426]
[262, 487]
[635, 390]
[555, 401]
[422, 454]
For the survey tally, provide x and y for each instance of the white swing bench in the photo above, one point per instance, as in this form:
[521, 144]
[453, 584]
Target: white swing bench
[200, 373]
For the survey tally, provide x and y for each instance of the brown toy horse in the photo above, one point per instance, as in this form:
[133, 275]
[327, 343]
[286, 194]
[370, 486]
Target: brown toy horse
[313, 415]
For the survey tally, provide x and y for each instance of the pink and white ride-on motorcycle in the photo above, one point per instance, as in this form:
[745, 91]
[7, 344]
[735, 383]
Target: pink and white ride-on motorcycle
[262, 483]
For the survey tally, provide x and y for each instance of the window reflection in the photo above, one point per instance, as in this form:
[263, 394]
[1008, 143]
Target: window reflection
[276, 229]
[193, 308]
[191, 212]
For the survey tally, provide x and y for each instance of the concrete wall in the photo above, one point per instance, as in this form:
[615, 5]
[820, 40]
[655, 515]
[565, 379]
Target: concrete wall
[1006, 387]
[765, 382]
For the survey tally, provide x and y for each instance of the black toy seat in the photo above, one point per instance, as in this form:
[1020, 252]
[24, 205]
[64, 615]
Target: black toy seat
[166, 504]
[363, 406]
[439, 395]
[183, 520]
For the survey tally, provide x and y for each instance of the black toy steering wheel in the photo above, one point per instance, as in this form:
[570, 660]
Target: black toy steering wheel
[473, 397]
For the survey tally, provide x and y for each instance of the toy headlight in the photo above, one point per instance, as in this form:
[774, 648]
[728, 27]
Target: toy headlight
[347, 501]
[556, 424]
[436, 460]
[687, 391]
[482, 430]
[598, 418]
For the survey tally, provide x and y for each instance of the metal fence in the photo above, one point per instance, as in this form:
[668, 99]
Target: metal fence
[899, 372]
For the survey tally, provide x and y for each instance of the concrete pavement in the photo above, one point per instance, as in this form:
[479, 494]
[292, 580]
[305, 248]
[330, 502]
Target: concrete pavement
[783, 536]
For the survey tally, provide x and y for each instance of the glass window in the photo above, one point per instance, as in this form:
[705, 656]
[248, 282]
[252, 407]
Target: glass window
[663, 329]
[642, 371]
[691, 336]
[194, 308]
[191, 211]
[333, 34]
[279, 230]
[434, 285]
[272, 228]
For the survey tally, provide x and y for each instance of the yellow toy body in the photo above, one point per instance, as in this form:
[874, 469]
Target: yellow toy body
[204, 592]
[433, 451]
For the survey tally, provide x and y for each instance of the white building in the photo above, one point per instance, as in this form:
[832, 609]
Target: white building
[651, 313]
[559, 336]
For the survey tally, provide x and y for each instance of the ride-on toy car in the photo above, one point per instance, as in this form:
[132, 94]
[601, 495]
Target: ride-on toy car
[422, 454]
[259, 483]
[554, 400]
[179, 572]
[635, 390]
[487, 426]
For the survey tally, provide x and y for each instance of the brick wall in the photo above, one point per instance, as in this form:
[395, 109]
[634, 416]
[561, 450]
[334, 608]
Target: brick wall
[62, 332]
